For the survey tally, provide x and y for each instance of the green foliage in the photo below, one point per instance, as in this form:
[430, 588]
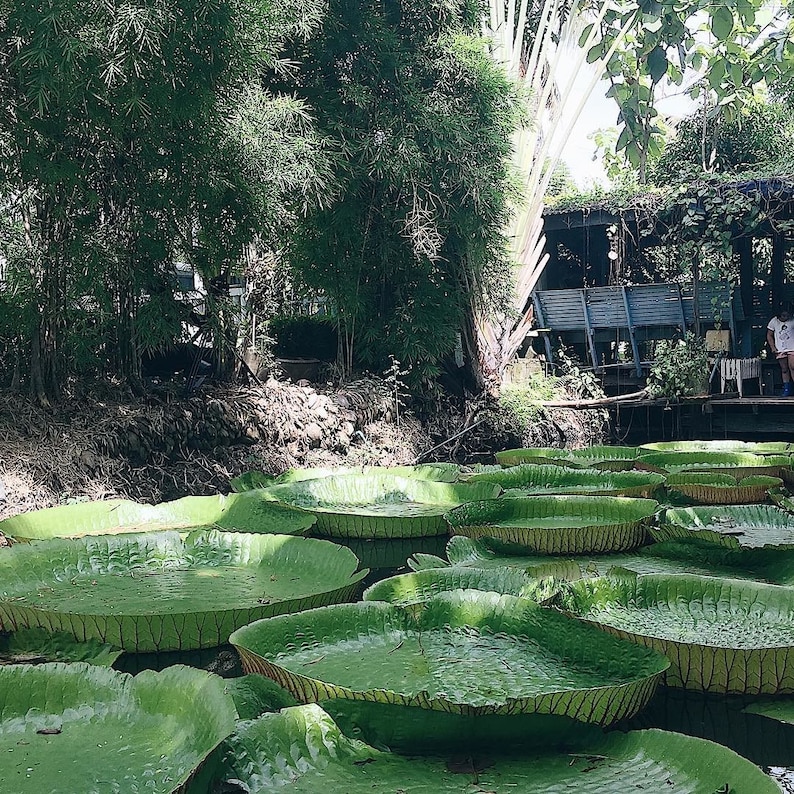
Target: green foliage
[561, 181]
[680, 368]
[519, 402]
[762, 133]
[735, 49]
[134, 134]
[420, 120]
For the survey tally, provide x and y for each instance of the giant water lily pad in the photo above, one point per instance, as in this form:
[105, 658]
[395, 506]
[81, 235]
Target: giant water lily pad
[464, 652]
[719, 445]
[735, 526]
[712, 488]
[301, 750]
[378, 505]
[557, 524]
[78, 728]
[435, 472]
[420, 586]
[608, 458]
[531, 480]
[36, 646]
[721, 635]
[235, 512]
[739, 464]
[158, 592]
[775, 566]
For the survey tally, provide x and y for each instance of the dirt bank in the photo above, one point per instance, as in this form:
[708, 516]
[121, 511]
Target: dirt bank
[101, 443]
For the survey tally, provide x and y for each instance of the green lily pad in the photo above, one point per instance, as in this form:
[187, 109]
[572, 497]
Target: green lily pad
[254, 695]
[734, 526]
[467, 472]
[719, 445]
[531, 480]
[739, 464]
[158, 591]
[435, 472]
[417, 587]
[464, 652]
[557, 524]
[36, 646]
[775, 566]
[721, 635]
[607, 458]
[378, 505]
[781, 709]
[721, 489]
[240, 512]
[67, 728]
[302, 750]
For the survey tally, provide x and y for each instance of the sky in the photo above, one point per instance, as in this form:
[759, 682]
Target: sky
[600, 112]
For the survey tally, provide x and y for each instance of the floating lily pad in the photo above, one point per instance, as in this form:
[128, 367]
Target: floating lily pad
[436, 472]
[557, 524]
[254, 695]
[701, 558]
[467, 472]
[302, 750]
[780, 709]
[464, 652]
[720, 445]
[37, 646]
[240, 512]
[721, 635]
[531, 480]
[739, 464]
[67, 728]
[608, 458]
[466, 552]
[379, 505]
[735, 526]
[417, 587]
[721, 489]
[158, 591]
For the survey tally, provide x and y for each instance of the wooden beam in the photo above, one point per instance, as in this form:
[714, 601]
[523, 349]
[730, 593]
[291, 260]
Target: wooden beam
[634, 347]
[743, 246]
[778, 269]
[589, 330]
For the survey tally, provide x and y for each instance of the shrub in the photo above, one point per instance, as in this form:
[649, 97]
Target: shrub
[680, 368]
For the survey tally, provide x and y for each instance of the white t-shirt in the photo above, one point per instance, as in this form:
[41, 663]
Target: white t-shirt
[784, 334]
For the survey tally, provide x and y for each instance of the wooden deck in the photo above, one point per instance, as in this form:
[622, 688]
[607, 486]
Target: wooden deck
[754, 401]
[752, 418]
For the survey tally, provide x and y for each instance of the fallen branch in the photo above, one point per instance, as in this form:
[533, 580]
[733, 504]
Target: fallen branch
[596, 403]
[446, 441]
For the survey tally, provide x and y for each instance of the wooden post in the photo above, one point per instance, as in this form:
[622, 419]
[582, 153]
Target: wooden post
[743, 246]
[696, 293]
[778, 271]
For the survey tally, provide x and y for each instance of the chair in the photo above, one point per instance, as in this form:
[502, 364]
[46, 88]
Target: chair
[740, 369]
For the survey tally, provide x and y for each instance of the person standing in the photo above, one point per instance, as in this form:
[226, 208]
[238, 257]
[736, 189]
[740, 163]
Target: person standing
[780, 337]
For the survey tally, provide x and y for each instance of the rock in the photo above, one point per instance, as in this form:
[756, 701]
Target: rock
[313, 431]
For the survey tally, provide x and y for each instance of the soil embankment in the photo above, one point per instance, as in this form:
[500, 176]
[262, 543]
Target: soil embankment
[100, 443]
